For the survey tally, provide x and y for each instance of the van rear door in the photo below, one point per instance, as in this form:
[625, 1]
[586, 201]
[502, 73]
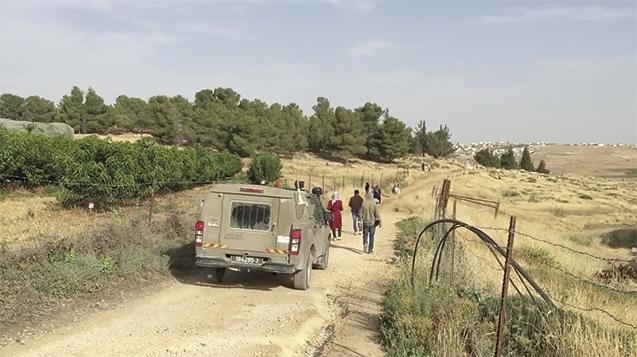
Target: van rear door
[249, 222]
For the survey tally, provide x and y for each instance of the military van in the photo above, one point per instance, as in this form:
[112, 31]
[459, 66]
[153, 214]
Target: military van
[261, 228]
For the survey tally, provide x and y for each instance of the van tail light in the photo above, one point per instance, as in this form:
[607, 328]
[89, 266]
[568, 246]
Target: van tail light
[199, 233]
[295, 241]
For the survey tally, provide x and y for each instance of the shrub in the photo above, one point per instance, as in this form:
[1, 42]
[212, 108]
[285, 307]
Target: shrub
[105, 172]
[487, 158]
[265, 168]
[541, 168]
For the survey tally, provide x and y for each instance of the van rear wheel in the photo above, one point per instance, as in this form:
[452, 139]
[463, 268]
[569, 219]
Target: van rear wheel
[301, 279]
[216, 274]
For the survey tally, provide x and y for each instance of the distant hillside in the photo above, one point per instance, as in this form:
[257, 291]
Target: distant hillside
[600, 161]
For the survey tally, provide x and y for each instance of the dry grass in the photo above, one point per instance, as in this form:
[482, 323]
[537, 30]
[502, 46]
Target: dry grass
[619, 162]
[126, 137]
[552, 208]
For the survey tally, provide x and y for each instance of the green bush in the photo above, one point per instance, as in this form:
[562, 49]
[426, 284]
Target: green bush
[265, 168]
[487, 158]
[104, 172]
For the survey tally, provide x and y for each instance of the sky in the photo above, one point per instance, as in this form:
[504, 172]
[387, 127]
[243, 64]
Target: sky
[553, 71]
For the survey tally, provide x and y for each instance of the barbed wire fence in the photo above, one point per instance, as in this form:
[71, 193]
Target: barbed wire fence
[444, 229]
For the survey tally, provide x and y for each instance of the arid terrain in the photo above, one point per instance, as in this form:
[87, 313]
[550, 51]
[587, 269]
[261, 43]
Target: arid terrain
[257, 315]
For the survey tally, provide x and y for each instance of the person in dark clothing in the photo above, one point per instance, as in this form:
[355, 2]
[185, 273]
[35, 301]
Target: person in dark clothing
[366, 188]
[377, 193]
[355, 203]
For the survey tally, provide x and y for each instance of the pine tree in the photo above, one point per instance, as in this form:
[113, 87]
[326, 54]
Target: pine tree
[321, 128]
[541, 168]
[349, 136]
[395, 139]
[421, 137]
[11, 106]
[71, 110]
[439, 143]
[526, 163]
[487, 158]
[507, 160]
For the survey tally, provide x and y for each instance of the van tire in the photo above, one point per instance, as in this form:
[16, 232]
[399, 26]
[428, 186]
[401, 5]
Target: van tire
[217, 274]
[324, 259]
[301, 279]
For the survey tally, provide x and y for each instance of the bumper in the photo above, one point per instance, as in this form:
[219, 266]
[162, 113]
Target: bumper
[212, 262]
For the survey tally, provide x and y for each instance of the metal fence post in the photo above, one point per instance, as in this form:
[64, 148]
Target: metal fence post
[505, 289]
[453, 240]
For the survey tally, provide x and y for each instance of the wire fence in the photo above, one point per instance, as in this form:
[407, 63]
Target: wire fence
[498, 252]
[558, 245]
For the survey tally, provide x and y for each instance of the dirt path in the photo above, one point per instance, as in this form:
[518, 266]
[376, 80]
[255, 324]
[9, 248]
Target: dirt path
[248, 315]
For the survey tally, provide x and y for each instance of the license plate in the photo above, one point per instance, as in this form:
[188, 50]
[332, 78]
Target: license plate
[246, 259]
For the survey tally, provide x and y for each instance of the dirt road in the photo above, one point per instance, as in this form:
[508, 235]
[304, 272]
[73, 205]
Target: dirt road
[248, 315]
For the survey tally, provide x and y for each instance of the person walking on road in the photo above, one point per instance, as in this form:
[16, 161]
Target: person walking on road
[371, 219]
[336, 206]
[355, 203]
[377, 193]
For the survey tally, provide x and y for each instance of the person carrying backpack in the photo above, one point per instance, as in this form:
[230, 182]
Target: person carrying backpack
[370, 214]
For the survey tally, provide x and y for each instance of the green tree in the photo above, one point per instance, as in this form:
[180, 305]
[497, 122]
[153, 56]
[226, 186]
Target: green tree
[370, 115]
[394, 139]
[11, 106]
[349, 137]
[38, 109]
[96, 118]
[321, 125]
[71, 110]
[439, 143]
[526, 163]
[265, 168]
[130, 114]
[486, 157]
[507, 160]
[421, 138]
[541, 168]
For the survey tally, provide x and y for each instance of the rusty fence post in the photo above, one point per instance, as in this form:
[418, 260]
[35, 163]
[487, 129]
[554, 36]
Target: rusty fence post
[453, 239]
[309, 182]
[505, 289]
[323, 182]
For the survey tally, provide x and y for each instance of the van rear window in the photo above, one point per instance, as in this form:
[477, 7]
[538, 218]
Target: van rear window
[252, 216]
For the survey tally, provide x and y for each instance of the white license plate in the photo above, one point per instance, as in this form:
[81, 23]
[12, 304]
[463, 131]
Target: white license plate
[246, 259]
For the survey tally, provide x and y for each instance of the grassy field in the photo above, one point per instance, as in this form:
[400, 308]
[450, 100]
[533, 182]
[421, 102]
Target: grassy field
[616, 162]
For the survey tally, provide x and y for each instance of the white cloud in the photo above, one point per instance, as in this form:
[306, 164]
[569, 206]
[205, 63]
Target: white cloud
[577, 13]
[369, 48]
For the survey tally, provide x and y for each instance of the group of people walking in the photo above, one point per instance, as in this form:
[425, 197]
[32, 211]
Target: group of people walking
[365, 215]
